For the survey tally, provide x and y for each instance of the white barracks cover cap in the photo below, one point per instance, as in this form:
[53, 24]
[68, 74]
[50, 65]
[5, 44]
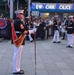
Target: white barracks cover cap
[19, 11]
[56, 16]
[71, 16]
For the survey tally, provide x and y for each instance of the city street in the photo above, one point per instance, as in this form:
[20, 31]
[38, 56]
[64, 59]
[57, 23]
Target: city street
[51, 58]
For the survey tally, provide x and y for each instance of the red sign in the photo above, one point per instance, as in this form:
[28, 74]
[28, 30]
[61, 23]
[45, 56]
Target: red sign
[2, 23]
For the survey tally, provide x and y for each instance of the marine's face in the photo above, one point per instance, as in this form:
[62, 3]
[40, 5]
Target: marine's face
[71, 19]
[21, 16]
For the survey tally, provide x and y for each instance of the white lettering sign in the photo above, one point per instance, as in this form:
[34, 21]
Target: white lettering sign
[39, 6]
[35, 13]
[49, 7]
[64, 7]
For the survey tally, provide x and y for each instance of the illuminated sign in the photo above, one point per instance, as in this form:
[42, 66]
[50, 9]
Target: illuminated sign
[50, 6]
[44, 6]
[39, 6]
[35, 13]
[65, 7]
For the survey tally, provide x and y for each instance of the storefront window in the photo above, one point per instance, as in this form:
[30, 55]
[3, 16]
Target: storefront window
[46, 15]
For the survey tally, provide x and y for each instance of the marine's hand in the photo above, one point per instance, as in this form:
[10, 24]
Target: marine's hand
[32, 31]
[26, 32]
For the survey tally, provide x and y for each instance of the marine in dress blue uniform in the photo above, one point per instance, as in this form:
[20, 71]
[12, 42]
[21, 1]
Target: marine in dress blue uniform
[70, 32]
[56, 33]
[19, 29]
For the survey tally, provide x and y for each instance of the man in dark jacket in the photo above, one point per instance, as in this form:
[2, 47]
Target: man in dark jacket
[40, 33]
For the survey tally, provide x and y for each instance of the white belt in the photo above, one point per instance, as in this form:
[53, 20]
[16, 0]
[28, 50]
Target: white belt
[17, 31]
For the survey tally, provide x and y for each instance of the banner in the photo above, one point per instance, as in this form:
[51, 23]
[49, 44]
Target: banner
[52, 7]
[3, 23]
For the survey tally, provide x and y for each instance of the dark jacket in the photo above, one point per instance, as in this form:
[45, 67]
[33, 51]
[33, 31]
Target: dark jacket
[17, 23]
[70, 27]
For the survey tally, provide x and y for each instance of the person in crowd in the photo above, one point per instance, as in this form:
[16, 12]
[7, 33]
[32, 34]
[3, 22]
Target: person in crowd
[63, 26]
[28, 24]
[40, 33]
[9, 28]
[2, 15]
[70, 31]
[36, 23]
[56, 38]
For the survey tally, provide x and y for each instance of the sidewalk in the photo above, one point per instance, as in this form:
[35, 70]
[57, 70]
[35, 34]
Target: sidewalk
[52, 58]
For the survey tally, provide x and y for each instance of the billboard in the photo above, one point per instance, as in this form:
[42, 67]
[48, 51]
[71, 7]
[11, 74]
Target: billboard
[3, 23]
[52, 7]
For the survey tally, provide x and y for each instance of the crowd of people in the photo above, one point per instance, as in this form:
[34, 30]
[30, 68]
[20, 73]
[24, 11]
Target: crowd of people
[63, 28]
[7, 28]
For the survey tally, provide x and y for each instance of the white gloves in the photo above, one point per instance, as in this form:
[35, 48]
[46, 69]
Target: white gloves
[32, 31]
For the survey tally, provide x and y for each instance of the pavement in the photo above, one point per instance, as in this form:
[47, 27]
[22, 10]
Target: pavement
[51, 58]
